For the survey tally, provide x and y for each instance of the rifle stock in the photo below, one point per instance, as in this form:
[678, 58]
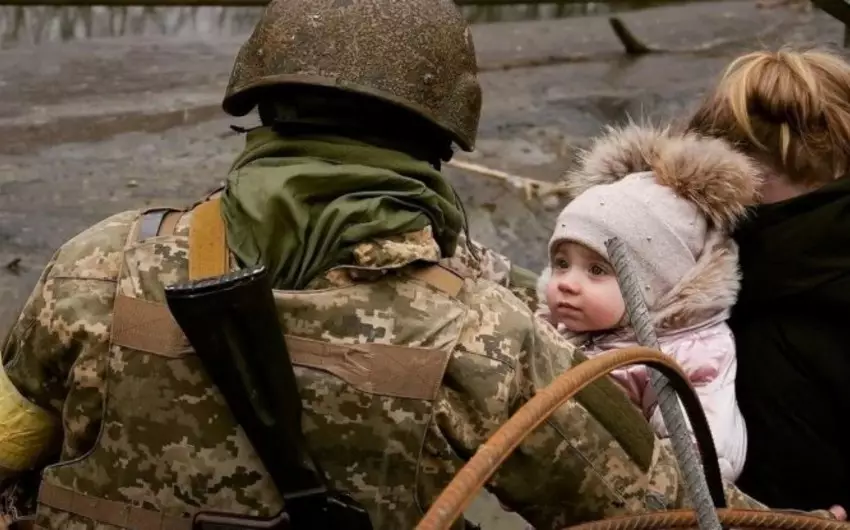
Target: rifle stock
[232, 323]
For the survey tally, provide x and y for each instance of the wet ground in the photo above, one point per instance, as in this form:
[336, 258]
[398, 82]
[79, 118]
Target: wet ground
[89, 128]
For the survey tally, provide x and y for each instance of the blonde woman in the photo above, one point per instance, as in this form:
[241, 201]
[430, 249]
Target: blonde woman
[790, 111]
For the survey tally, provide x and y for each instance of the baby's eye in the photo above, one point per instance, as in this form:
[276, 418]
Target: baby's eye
[596, 270]
[561, 263]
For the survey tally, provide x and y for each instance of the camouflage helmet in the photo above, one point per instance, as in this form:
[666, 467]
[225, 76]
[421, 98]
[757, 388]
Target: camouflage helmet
[416, 54]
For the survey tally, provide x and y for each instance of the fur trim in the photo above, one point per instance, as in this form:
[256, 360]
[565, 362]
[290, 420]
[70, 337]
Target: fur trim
[710, 288]
[719, 180]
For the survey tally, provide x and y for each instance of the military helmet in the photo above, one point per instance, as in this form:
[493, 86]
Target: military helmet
[415, 54]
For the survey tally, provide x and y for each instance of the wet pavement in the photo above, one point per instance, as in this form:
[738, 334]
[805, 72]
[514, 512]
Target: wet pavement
[89, 128]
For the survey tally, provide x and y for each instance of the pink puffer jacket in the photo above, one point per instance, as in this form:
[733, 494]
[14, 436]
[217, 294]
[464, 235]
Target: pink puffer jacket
[707, 356]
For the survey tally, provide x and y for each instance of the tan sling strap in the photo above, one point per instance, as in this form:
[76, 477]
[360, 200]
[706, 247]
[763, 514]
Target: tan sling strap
[208, 254]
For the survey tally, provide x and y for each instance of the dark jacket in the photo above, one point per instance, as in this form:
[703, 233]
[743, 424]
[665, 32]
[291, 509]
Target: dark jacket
[792, 329]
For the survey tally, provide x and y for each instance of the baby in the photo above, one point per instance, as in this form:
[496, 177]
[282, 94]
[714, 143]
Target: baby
[672, 200]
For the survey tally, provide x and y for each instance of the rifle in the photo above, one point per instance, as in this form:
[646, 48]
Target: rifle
[231, 321]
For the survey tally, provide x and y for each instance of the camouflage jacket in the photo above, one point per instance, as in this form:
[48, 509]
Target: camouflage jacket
[401, 383]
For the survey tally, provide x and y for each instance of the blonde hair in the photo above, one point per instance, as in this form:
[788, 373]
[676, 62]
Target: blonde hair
[788, 109]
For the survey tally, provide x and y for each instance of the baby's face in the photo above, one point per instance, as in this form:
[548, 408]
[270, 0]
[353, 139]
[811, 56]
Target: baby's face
[583, 293]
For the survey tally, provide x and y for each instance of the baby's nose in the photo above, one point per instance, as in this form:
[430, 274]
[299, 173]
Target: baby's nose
[569, 283]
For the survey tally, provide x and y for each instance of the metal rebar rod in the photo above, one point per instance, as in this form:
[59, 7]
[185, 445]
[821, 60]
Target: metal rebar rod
[668, 402]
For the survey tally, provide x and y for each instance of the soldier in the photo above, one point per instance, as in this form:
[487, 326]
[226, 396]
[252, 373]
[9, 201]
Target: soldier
[409, 347]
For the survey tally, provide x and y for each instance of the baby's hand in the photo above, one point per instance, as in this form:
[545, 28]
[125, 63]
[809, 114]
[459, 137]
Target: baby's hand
[836, 512]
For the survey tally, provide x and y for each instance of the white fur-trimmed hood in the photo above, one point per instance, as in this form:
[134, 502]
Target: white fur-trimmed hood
[720, 181]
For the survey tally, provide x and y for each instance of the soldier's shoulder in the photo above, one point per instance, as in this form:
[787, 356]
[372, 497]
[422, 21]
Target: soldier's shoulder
[474, 260]
[96, 252]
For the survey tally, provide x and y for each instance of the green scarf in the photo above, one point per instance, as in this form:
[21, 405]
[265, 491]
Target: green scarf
[299, 205]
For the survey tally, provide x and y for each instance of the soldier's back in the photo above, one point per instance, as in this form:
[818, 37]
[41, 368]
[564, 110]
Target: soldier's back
[404, 367]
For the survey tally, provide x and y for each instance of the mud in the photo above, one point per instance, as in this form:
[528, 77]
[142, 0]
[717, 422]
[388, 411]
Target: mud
[89, 128]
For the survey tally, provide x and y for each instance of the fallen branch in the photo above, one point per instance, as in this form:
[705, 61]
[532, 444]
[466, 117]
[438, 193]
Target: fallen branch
[532, 188]
[635, 46]
[631, 43]
[14, 266]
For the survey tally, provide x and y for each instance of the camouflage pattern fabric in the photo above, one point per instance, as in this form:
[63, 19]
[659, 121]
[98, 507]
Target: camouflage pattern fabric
[147, 428]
